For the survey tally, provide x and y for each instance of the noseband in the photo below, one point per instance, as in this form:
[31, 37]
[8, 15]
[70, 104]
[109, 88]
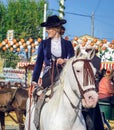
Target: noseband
[88, 73]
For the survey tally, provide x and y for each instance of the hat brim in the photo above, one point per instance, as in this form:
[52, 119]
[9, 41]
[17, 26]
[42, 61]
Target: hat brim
[45, 24]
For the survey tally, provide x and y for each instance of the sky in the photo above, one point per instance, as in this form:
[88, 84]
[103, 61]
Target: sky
[78, 14]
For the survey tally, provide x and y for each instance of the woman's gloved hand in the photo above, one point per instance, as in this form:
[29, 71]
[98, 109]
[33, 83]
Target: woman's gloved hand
[61, 61]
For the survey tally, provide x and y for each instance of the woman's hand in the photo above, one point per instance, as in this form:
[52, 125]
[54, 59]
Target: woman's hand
[60, 61]
[40, 82]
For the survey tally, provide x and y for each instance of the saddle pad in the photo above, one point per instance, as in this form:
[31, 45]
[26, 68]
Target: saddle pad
[47, 92]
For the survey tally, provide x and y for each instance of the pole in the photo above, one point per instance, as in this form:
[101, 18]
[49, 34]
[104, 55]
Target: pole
[61, 14]
[92, 24]
[26, 76]
[44, 29]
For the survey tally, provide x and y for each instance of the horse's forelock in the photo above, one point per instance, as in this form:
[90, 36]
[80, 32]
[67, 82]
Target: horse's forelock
[66, 68]
[88, 75]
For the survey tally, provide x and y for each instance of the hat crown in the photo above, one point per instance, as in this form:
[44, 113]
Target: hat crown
[53, 21]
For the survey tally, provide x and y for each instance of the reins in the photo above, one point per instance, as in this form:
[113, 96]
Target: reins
[31, 91]
[52, 74]
[76, 108]
[52, 78]
[73, 106]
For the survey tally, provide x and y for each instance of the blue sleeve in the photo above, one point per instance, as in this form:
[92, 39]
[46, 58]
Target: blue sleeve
[39, 63]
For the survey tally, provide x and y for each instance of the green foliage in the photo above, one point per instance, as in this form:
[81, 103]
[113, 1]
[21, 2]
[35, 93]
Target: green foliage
[10, 59]
[2, 20]
[22, 16]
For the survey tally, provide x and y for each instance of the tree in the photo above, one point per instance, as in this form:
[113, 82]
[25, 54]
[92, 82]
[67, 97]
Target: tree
[10, 59]
[22, 16]
[2, 20]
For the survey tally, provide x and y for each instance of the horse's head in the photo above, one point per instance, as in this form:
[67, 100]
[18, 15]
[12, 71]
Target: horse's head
[82, 74]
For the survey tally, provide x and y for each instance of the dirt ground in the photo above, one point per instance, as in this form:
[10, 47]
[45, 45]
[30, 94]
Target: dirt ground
[11, 125]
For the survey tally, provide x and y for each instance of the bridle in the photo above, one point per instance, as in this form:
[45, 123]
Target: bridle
[88, 70]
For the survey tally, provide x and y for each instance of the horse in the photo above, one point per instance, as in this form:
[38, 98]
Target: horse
[13, 99]
[75, 88]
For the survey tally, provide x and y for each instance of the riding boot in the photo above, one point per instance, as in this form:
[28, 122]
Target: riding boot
[38, 107]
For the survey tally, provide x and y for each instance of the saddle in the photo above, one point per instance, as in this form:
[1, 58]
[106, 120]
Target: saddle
[40, 91]
[41, 96]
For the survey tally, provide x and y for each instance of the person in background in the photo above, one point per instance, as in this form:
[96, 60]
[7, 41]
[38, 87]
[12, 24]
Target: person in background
[112, 77]
[66, 38]
[106, 88]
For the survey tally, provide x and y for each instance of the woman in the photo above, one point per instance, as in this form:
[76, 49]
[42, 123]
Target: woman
[54, 50]
[106, 88]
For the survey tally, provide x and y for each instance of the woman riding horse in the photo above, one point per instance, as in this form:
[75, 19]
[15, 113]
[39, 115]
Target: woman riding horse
[53, 52]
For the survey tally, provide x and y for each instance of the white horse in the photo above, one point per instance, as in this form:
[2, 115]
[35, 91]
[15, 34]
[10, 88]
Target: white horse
[75, 88]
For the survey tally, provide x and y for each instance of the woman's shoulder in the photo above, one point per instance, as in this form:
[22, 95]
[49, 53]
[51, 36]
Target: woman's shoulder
[46, 40]
[67, 42]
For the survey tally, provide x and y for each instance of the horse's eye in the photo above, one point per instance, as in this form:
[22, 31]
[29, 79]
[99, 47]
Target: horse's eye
[77, 71]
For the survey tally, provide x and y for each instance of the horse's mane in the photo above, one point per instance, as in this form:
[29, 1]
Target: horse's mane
[62, 76]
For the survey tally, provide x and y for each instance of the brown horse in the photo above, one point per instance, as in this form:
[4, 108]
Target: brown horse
[13, 99]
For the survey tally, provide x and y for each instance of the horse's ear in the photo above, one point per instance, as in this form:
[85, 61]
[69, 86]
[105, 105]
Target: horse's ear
[77, 51]
[91, 52]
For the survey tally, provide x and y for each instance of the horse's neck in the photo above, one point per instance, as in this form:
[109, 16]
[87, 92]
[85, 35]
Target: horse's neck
[66, 85]
[71, 95]
[65, 103]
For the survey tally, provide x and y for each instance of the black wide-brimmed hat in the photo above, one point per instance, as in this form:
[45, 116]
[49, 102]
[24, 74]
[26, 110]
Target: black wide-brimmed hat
[53, 21]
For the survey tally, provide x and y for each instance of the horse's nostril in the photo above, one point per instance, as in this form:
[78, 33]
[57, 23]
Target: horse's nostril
[89, 97]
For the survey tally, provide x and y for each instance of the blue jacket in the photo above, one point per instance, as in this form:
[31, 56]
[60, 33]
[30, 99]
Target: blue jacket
[44, 55]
